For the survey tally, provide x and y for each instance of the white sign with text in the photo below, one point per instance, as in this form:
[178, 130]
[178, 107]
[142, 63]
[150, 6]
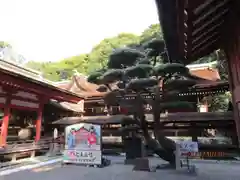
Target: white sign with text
[83, 157]
[188, 146]
[184, 149]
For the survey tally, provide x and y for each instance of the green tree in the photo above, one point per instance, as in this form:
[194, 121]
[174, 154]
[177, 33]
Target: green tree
[48, 69]
[153, 31]
[97, 58]
[34, 65]
[99, 55]
[4, 44]
[68, 65]
[54, 70]
[219, 103]
[126, 68]
[206, 59]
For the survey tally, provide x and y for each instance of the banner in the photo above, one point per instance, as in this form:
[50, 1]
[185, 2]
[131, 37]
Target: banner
[83, 144]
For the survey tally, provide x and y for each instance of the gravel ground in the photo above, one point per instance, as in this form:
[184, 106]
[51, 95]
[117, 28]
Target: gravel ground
[118, 171]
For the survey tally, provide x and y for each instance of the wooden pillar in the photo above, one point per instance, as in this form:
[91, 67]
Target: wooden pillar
[39, 121]
[194, 132]
[233, 59]
[176, 133]
[5, 121]
[231, 47]
[233, 136]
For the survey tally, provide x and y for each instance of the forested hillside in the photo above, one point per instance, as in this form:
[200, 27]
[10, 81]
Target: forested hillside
[97, 58]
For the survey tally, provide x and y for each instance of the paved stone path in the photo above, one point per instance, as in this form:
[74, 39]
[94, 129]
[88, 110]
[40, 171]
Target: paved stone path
[25, 162]
[118, 171]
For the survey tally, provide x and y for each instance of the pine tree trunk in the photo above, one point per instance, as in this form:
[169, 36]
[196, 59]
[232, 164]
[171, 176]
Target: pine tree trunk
[168, 146]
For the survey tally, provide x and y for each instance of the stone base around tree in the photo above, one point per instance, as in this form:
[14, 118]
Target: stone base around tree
[141, 164]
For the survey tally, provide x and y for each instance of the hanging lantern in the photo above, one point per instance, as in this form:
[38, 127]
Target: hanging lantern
[203, 108]
[105, 109]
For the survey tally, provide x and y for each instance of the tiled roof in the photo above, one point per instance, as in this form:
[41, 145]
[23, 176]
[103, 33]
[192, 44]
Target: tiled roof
[30, 75]
[79, 108]
[79, 84]
[208, 73]
[10, 66]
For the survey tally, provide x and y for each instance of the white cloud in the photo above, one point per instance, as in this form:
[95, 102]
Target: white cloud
[49, 30]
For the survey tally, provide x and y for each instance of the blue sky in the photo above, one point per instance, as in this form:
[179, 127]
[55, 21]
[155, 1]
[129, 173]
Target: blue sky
[50, 30]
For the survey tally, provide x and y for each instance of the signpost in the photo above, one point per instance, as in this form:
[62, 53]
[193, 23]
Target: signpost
[55, 145]
[188, 147]
[83, 144]
[184, 149]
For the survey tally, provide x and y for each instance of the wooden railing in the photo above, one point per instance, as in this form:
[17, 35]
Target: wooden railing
[197, 116]
[24, 146]
[217, 88]
[170, 117]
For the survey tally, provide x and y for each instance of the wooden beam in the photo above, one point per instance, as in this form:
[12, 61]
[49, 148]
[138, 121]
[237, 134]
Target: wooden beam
[196, 116]
[187, 117]
[167, 16]
[200, 5]
[189, 22]
[206, 90]
[188, 127]
[203, 52]
[207, 33]
[207, 42]
[210, 7]
[181, 4]
[209, 22]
